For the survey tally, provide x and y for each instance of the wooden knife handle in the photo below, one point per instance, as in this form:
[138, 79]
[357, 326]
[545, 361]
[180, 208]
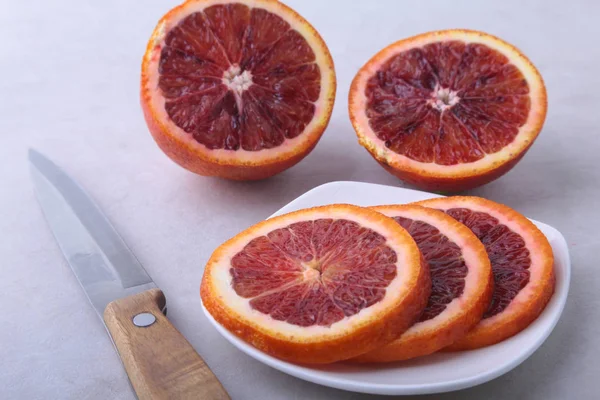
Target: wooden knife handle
[160, 362]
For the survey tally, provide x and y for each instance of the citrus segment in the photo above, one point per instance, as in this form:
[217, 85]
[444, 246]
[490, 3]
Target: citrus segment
[349, 271]
[236, 89]
[318, 285]
[522, 264]
[448, 110]
[461, 278]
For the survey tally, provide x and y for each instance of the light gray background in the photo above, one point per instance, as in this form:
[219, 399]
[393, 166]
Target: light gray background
[69, 75]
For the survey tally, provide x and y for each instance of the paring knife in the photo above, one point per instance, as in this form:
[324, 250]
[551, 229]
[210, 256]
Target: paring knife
[159, 361]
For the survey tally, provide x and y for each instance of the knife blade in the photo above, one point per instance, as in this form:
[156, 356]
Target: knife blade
[159, 361]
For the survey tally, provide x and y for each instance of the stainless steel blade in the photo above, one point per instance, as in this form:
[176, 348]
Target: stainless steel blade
[104, 265]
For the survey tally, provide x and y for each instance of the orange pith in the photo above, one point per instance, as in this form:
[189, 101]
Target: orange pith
[318, 285]
[448, 110]
[223, 94]
[522, 263]
[462, 283]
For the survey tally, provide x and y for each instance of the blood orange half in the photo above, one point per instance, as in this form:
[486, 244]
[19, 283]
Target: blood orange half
[522, 264]
[235, 88]
[462, 283]
[448, 110]
[318, 285]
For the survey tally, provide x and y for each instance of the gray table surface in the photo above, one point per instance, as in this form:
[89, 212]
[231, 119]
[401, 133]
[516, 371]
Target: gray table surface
[69, 87]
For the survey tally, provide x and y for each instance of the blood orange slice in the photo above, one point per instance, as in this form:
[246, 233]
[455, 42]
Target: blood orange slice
[448, 110]
[318, 285]
[522, 263]
[462, 283]
[235, 88]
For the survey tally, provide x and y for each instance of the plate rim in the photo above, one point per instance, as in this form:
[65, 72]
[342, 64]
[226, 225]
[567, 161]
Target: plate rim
[402, 389]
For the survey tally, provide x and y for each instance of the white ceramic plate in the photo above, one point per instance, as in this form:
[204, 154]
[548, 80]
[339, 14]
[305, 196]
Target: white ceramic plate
[431, 374]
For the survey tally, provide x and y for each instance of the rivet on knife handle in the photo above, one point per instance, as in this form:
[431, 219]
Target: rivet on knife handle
[160, 362]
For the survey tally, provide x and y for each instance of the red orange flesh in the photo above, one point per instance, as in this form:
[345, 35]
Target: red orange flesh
[448, 110]
[236, 89]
